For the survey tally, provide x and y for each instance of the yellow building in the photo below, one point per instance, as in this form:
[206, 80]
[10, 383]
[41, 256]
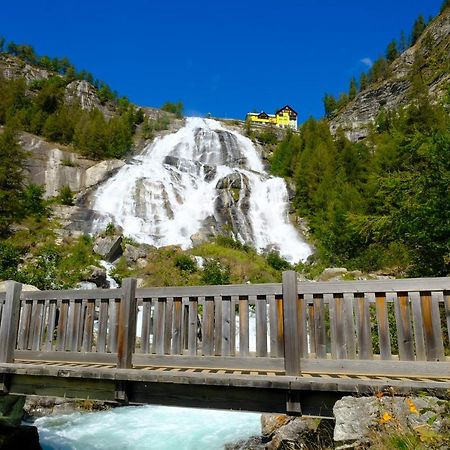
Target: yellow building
[285, 117]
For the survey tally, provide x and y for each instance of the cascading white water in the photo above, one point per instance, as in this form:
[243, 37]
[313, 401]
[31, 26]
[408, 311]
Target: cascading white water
[201, 174]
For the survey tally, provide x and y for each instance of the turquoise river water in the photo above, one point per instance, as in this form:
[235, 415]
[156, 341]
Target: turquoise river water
[147, 427]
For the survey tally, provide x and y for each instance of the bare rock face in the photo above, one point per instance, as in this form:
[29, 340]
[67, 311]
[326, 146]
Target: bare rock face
[108, 247]
[53, 167]
[99, 172]
[85, 94]
[13, 68]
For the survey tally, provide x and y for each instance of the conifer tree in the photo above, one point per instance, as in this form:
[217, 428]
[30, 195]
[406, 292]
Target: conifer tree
[353, 90]
[12, 159]
[363, 82]
[419, 27]
[392, 52]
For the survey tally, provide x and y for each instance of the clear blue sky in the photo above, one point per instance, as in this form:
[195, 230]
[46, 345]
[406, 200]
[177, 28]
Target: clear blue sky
[226, 57]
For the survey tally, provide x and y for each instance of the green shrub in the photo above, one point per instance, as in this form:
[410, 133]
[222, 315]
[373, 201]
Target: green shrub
[9, 260]
[186, 263]
[215, 273]
[65, 196]
[33, 201]
[276, 261]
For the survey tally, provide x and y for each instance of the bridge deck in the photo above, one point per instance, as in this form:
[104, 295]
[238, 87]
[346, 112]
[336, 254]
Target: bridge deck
[313, 343]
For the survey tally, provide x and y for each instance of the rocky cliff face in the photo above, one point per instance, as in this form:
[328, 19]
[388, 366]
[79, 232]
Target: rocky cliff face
[53, 166]
[13, 68]
[432, 52]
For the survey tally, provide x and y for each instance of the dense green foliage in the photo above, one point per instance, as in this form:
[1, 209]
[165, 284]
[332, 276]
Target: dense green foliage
[384, 203]
[174, 108]
[41, 109]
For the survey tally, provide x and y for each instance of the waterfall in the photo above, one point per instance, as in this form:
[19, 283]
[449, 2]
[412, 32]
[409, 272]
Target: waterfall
[202, 179]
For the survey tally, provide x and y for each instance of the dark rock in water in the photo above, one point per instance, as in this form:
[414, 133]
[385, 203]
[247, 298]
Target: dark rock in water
[11, 409]
[98, 277]
[13, 435]
[19, 437]
[108, 247]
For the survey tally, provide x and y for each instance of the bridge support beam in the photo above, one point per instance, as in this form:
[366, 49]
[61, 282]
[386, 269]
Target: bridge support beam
[127, 324]
[10, 322]
[290, 324]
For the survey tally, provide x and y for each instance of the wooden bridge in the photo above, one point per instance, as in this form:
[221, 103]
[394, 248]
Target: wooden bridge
[314, 343]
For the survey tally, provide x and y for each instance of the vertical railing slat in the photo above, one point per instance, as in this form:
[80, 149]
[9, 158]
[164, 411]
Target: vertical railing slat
[365, 349]
[319, 325]
[332, 315]
[88, 330]
[177, 338]
[291, 325]
[145, 324]
[226, 326]
[208, 327]
[419, 337]
[234, 303]
[102, 325]
[217, 325]
[51, 322]
[339, 324]
[62, 325]
[243, 326]
[383, 325]
[192, 333]
[404, 328]
[10, 322]
[168, 325]
[261, 326]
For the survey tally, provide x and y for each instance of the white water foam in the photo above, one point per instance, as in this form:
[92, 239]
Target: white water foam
[147, 427]
[163, 196]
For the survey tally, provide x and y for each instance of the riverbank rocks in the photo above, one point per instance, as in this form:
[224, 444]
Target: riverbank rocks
[281, 432]
[332, 273]
[25, 287]
[108, 247]
[36, 406]
[360, 420]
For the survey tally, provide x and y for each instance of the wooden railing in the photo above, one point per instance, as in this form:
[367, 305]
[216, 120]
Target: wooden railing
[390, 320]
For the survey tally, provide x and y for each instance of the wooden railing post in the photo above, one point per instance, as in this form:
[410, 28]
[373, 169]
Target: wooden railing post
[10, 322]
[127, 324]
[290, 324]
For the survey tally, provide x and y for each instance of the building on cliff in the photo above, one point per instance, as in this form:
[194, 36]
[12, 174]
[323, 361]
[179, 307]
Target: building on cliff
[285, 117]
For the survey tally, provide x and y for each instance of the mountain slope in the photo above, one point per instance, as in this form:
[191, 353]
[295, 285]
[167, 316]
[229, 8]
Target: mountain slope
[429, 59]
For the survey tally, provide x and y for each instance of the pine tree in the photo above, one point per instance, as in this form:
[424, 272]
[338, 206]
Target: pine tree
[363, 82]
[329, 103]
[353, 90]
[392, 52]
[12, 159]
[403, 42]
[418, 29]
